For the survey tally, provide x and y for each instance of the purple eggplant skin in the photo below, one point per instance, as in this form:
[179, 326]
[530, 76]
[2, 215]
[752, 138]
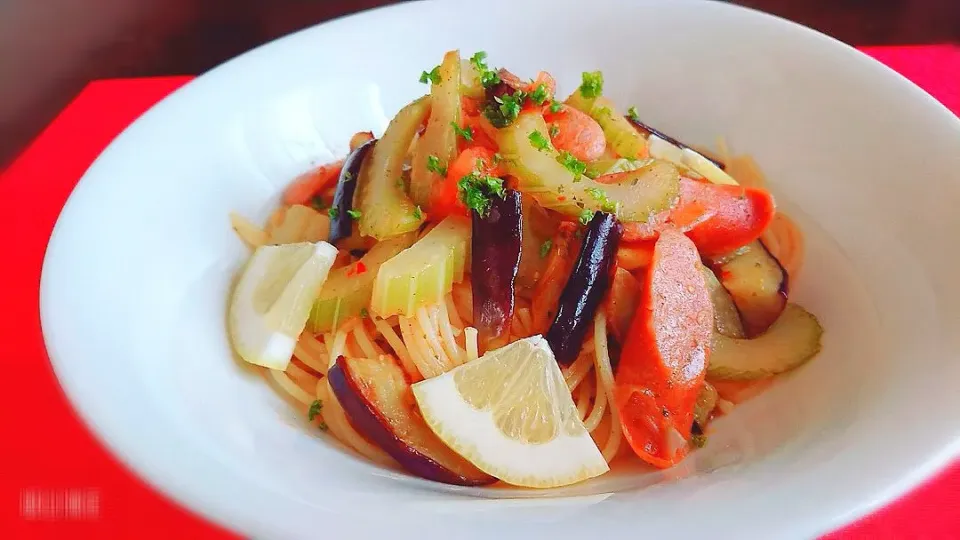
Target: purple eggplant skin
[367, 401]
[586, 287]
[495, 252]
[341, 221]
[757, 283]
[652, 131]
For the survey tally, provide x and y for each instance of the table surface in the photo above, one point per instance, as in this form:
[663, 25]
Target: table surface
[53, 455]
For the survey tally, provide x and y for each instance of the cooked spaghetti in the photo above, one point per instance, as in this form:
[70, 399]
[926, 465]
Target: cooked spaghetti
[489, 213]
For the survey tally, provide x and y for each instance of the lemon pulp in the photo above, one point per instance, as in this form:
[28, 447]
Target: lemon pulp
[511, 415]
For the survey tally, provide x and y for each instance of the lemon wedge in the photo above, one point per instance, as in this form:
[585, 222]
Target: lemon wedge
[510, 414]
[272, 300]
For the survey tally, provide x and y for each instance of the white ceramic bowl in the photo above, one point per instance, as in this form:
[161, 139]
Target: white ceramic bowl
[137, 271]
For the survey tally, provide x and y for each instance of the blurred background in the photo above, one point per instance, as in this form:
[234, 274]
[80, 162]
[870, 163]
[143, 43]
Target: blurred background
[50, 49]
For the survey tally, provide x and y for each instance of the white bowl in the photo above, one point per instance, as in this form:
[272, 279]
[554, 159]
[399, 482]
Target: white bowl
[136, 274]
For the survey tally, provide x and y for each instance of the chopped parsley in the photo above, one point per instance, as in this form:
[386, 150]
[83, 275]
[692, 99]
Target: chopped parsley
[554, 130]
[600, 196]
[334, 212]
[633, 114]
[538, 140]
[555, 107]
[347, 176]
[476, 191]
[488, 77]
[497, 158]
[314, 409]
[323, 426]
[432, 76]
[545, 248]
[596, 193]
[592, 85]
[417, 213]
[572, 164]
[465, 132]
[505, 109]
[479, 60]
[434, 165]
[355, 214]
[539, 94]
[585, 216]
[699, 440]
[364, 313]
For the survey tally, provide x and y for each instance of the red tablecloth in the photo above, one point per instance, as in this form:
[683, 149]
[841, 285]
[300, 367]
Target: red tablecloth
[50, 460]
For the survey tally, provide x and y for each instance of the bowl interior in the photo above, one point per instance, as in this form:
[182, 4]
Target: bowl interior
[136, 277]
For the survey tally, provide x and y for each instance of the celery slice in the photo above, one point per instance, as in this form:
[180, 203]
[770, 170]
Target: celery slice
[381, 195]
[793, 340]
[424, 273]
[347, 291]
[639, 194]
[440, 139]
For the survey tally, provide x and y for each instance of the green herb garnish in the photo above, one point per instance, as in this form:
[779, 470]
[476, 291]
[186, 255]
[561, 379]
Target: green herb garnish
[314, 409]
[592, 85]
[479, 60]
[334, 212]
[434, 165]
[555, 107]
[355, 214]
[538, 140]
[323, 426]
[488, 77]
[585, 216]
[698, 440]
[476, 190]
[633, 114]
[417, 213]
[554, 130]
[465, 132]
[364, 313]
[572, 164]
[432, 76]
[545, 248]
[504, 109]
[596, 193]
[601, 197]
[539, 94]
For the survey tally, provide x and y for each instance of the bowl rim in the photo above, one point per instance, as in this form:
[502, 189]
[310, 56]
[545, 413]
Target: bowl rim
[934, 462]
